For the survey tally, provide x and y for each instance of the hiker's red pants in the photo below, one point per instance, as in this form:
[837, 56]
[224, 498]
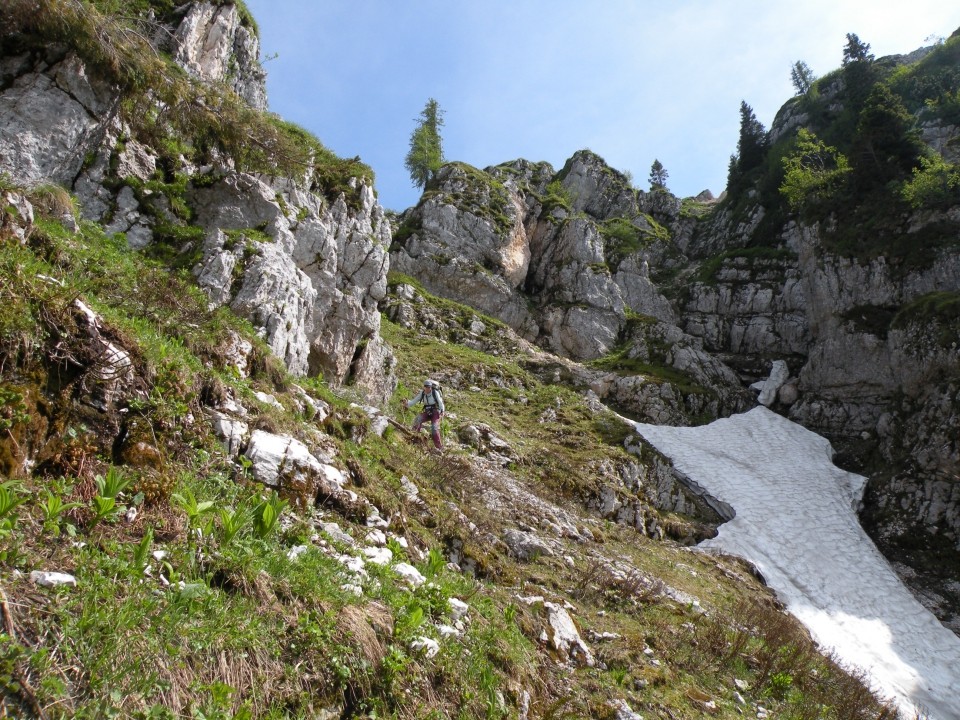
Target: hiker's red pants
[433, 415]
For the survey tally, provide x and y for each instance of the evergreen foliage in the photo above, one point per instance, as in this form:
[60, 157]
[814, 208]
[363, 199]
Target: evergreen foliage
[886, 146]
[858, 158]
[802, 77]
[426, 146]
[856, 50]
[859, 71]
[751, 147]
[658, 176]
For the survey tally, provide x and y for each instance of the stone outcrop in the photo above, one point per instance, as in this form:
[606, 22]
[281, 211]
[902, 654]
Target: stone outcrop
[311, 280]
[213, 44]
[53, 113]
[308, 272]
[565, 259]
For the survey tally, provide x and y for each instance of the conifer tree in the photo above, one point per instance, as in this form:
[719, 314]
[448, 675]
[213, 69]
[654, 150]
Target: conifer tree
[858, 71]
[856, 50]
[751, 147]
[426, 146]
[802, 77]
[887, 145]
[658, 176]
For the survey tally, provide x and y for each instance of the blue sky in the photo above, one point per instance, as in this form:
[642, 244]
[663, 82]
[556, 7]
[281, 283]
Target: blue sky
[632, 80]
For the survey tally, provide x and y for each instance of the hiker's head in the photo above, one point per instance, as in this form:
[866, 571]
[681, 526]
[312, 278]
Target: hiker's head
[428, 385]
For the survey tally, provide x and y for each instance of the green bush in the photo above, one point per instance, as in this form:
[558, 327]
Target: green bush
[813, 171]
[936, 183]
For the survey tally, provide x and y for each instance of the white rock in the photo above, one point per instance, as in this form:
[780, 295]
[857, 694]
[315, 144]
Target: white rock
[52, 579]
[458, 608]
[376, 537]
[296, 551]
[624, 711]
[427, 646]
[410, 574]
[268, 399]
[375, 521]
[232, 432]
[378, 555]
[411, 491]
[565, 637]
[448, 631]
[336, 533]
[779, 373]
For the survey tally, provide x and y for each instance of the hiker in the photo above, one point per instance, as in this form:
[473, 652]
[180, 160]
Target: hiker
[433, 410]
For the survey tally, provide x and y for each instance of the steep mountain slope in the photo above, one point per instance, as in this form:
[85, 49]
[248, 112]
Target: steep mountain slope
[214, 508]
[833, 266]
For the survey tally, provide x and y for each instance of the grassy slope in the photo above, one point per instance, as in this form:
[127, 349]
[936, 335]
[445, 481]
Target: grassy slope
[227, 626]
[222, 622]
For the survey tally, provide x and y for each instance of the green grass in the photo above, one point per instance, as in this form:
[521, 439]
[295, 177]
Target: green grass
[244, 631]
[224, 624]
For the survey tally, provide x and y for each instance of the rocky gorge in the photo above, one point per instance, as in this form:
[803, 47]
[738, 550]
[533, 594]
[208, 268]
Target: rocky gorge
[667, 310]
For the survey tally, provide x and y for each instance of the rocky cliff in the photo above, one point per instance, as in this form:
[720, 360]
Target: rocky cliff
[201, 406]
[565, 259]
[688, 302]
[307, 269]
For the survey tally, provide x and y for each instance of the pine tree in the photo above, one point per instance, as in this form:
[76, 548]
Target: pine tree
[751, 147]
[426, 146]
[802, 77]
[886, 144]
[856, 50]
[859, 73]
[658, 176]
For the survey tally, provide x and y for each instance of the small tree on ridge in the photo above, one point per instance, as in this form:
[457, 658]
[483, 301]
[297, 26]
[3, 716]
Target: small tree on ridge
[426, 146]
[658, 176]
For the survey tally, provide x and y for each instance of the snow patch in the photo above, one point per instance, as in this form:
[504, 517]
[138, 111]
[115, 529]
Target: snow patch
[795, 518]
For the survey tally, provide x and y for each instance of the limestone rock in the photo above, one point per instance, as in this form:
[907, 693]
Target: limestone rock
[212, 43]
[284, 463]
[52, 113]
[474, 250]
[564, 637]
[52, 579]
[16, 216]
[526, 546]
[779, 373]
[313, 290]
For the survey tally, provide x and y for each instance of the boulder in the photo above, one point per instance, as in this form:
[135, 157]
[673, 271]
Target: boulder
[287, 465]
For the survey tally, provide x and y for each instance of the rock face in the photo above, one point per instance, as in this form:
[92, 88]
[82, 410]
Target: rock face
[311, 281]
[52, 114]
[213, 44]
[565, 260]
[306, 270]
[871, 357]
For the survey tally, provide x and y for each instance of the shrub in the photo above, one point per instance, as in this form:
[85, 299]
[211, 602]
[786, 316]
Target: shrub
[813, 171]
[935, 183]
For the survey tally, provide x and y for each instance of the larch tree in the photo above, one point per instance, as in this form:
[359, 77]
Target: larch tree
[802, 77]
[426, 146]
